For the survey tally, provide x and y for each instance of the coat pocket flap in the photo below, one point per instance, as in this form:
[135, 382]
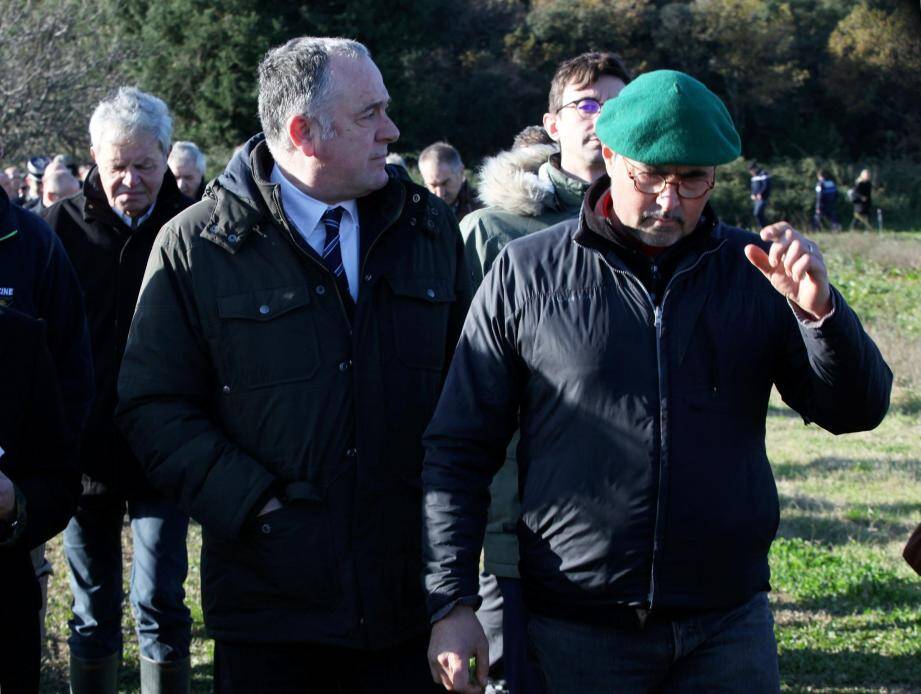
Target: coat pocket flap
[432, 290]
[263, 305]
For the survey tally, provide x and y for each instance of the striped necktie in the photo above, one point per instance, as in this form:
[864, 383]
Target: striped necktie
[332, 253]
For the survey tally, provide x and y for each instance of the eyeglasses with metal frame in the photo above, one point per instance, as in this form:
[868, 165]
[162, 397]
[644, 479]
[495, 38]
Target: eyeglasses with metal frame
[586, 106]
[650, 183]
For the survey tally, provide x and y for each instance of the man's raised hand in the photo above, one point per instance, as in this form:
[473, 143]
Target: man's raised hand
[795, 268]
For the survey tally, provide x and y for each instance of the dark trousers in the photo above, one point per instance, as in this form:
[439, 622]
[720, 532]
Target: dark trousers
[759, 210]
[721, 650]
[20, 649]
[521, 675]
[307, 668]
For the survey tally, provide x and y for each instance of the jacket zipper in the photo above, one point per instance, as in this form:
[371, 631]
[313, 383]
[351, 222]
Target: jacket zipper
[658, 314]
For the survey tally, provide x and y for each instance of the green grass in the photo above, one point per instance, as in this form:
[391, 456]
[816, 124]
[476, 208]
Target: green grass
[847, 607]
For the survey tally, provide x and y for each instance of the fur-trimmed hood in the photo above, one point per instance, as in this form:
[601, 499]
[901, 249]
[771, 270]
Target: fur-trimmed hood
[516, 180]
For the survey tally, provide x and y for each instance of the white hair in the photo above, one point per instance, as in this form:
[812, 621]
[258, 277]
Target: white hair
[183, 150]
[129, 112]
[294, 80]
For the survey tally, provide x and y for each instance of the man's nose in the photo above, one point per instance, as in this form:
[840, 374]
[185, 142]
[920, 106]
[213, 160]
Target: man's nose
[389, 132]
[668, 197]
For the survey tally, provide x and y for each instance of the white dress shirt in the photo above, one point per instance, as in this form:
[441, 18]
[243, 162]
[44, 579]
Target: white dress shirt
[304, 213]
[130, 220]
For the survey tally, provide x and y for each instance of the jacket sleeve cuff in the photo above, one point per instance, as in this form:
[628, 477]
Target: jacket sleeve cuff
[807, 320]
[473, 601]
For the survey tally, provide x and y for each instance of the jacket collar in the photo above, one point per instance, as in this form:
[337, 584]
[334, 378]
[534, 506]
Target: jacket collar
[231, 225]
[569, 190]
[603, 234]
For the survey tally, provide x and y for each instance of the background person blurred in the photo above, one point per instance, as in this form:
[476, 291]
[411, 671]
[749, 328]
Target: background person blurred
[36, 169]
[18, 179]
[67, 161]
[58, 183]
[532, 135]
[826, 201]
[442, 170]
[760, 192]
[188, 164]
[108, 230]
[862, 197]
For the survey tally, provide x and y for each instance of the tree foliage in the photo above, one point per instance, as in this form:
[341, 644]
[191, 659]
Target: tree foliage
[825, 78]
[56, 66]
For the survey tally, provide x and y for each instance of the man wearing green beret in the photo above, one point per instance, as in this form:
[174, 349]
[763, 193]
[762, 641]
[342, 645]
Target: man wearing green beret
[636, 348]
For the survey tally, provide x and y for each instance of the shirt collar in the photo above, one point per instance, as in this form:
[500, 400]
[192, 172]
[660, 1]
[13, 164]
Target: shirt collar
[128, 220]
[303, 210]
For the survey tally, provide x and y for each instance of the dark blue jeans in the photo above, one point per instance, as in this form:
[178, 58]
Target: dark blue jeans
[719, 651]
[758, 210]
[92, 545]
[520, 673]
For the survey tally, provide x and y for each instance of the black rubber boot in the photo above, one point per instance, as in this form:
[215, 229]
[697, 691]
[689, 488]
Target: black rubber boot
[172, 677]
[94, 675]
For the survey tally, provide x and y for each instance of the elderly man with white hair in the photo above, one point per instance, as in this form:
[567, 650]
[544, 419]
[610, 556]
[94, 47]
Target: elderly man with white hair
[108, 230]
[188, 162]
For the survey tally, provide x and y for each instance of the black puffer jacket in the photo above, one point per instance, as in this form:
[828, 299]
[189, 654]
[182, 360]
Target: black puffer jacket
[38, 280]
[39, 454]
[109, 259]
[644, 476]
[244, 379]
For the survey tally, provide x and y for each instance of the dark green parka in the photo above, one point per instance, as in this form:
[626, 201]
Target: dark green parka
[243, 379]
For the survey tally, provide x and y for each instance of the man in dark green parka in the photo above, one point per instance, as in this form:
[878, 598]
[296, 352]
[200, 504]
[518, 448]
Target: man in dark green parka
[290, 343]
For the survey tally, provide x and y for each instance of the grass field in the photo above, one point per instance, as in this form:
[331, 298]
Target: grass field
[848, 609]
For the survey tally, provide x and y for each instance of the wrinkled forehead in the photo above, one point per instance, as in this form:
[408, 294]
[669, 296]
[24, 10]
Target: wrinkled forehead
[138, 144]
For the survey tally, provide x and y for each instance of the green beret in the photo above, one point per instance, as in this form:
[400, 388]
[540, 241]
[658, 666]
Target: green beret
[668, 117]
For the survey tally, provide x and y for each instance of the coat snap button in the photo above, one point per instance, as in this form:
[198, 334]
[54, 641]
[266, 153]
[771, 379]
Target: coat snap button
[416, 197]
[430, 293]
[225, 390]
[321, 289]
[232, 238]
[351, 453]
[412, 222]
[368, 277]
[266, 528]
[344, 365]
[264, 309]
[434, 212]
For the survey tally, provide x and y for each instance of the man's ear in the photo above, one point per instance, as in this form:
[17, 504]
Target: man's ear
[302, 133]
[550, 127]
[609, 156]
